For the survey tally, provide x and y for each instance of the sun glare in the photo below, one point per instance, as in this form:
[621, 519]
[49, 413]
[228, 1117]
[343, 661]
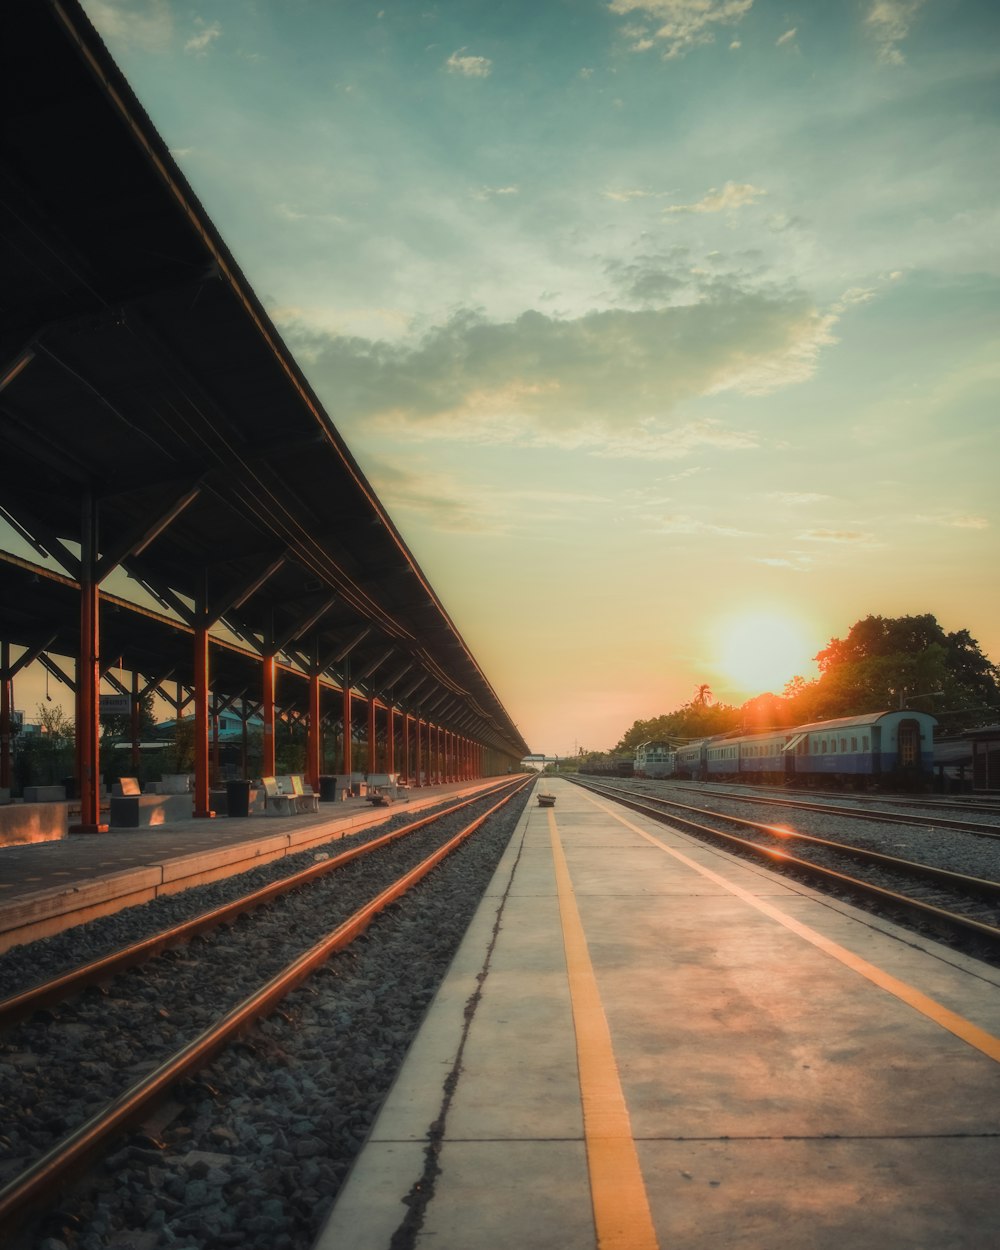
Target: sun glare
[761, 651]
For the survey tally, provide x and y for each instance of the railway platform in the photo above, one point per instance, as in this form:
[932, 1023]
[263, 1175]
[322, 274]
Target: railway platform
[46, 887]
[643, 1043]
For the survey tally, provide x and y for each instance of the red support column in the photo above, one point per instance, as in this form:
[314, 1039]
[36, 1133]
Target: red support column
[216, 746]
[88, 680]
[267, 713]
[372, 756]
[417, 778]
[202, 801]
[347, 726]
[314, 739]
[6, 707]
[407, 756]
[390, 739]
[135, 722]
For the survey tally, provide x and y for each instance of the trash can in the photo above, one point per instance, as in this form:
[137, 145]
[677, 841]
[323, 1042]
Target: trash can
[328, 788]
[238, 798]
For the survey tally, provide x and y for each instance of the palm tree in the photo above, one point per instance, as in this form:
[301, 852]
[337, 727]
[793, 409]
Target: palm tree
[703, 695]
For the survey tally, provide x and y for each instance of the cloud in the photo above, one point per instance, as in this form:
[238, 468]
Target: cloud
[680, 25]
[609, 381]
[445, 502]
[679, 523]
[835, 536]
[491, 193]
[955, 521]
[199, 44]
[635, 193]
[798, 564]
[795, 497]
[787, 37]
[470, 66]
[733, 195]
[146, 24]
[888, 22]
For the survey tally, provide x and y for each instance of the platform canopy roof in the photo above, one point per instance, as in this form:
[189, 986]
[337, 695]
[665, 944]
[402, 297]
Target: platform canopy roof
[140, 376]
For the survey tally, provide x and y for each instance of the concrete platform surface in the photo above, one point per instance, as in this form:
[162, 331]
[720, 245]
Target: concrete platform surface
[46, 887]
[643, 1043]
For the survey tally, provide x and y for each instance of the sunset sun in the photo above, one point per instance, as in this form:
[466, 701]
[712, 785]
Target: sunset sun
[761, 651]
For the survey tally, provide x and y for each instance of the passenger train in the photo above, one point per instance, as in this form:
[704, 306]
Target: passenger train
[896, 747]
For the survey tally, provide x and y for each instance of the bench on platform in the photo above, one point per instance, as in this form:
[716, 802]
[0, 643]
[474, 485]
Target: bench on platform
[305, 800]
[286, 796]
[276, 801]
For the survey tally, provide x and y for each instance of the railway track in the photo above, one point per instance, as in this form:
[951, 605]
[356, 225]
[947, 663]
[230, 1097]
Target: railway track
[959, 907]
[165, 1017]
[978, 828]
[927, 802]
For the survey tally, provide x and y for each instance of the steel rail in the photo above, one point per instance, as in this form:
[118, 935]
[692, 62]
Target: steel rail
[17, 1006]
[926, 911]
[981, 886]
[896, 818]
[84, 1144]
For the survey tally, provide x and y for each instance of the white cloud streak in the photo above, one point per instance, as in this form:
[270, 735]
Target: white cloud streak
[679, 25]
[146, 24]
[469, 66]
[200, 43]
[732, 196]
[888, 22]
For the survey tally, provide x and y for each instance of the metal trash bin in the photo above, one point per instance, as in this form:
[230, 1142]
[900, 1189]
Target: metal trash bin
[328, 788]
[237, 798]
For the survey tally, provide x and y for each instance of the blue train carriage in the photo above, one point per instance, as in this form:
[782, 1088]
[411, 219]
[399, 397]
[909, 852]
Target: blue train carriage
[722, 757]
[764, 757]
[896, 746]
[690, 759]
[654, 759]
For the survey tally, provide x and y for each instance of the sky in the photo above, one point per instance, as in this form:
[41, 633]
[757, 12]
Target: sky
[666, 330]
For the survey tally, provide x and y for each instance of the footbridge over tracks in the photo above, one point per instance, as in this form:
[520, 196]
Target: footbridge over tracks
[194, 525]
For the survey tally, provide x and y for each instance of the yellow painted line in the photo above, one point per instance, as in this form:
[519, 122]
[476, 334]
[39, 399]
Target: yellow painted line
[621, 1208]
[987, 1043]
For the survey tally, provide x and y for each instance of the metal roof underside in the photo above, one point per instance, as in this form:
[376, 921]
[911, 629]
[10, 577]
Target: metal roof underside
[137, 367]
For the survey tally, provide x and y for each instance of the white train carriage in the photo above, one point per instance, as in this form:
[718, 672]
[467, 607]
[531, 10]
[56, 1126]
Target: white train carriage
[654, 759]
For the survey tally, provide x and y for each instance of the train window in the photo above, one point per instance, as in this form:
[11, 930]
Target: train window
[843, 744]
[822, 747]
[864, 743]
[854, 744]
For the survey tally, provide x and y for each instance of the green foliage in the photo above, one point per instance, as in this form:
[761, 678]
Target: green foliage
[887, 662]
[697, 719]
[179, 756]
[47, 757]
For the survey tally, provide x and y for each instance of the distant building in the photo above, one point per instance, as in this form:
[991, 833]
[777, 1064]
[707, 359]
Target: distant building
[230, 726]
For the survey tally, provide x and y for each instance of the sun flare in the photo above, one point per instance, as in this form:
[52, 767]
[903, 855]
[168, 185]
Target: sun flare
[761, 651]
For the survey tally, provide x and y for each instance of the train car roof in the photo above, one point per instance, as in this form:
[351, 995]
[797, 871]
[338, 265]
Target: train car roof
[869, 718]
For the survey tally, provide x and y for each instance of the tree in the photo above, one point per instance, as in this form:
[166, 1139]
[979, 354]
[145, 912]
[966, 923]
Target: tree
[48, 756]
[888, 662]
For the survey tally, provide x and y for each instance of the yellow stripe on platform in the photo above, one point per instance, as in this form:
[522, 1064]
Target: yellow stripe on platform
[987, 1043]
[621, 1209]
